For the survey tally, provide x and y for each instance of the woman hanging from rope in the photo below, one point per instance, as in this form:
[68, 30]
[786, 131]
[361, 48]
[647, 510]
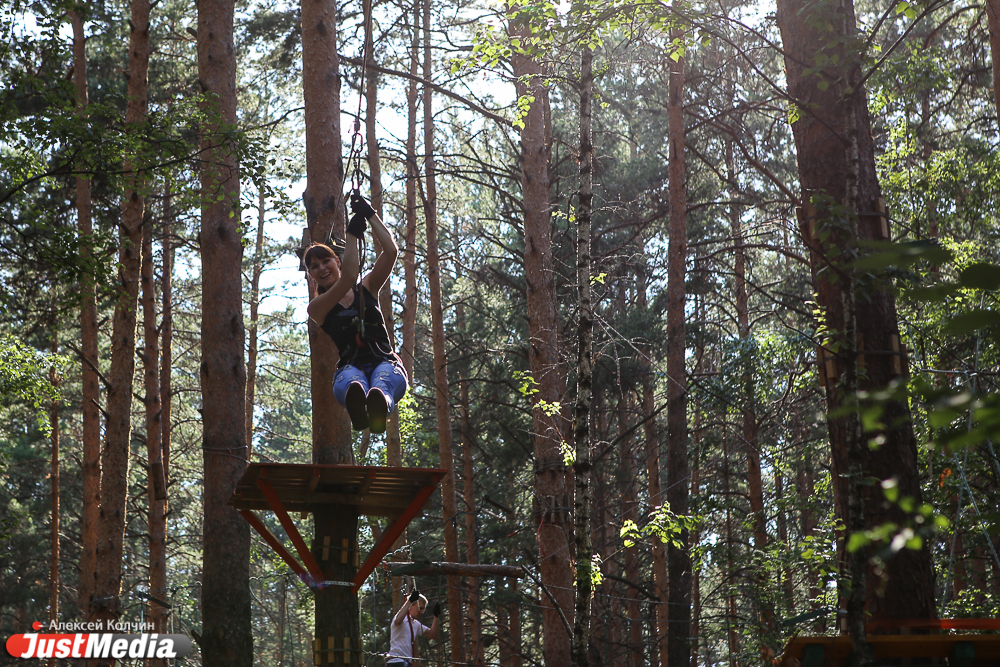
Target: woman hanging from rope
[370, 379]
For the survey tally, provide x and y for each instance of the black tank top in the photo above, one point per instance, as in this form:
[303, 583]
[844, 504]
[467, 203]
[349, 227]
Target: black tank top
[343, 325]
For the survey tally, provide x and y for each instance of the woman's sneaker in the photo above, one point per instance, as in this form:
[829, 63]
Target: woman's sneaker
[378, 410]
[354, 401]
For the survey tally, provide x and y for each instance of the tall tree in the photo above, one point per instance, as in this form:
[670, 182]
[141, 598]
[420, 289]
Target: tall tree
[442, 398]
[54, 579]
[411, 297]
[678, 557]
[336, 611]
[166, 350]
[748, 402]
[552, 480]
[652, 447]
[156, 492]
[840, 195]
[993, 23]
[584, 371]
[90, 390]
[252, 347]
[323, 199]
[226, 640]
[106, 605]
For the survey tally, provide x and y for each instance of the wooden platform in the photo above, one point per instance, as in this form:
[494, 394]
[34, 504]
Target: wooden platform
[376, 491]
[962, 650]
[397, 493]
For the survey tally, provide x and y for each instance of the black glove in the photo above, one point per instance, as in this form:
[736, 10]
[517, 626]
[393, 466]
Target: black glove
[414, 596]
[357, 226]
[436, 609]
[360, 205]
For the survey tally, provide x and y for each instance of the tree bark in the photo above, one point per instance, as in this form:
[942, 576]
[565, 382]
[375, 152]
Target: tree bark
[258, 268]
[166, 351]
[156, 613]
[324, 211]
[993, 22]
[336, 611]
[442, 399]
[90, 389]
[678, 558]
[476, 652]
[584, 372]
[840, 196]
[392, 437]
[227, 640]
[755, 483]
[106, 604]
[552, 482]
[652, 441]
[54, 580]
[411, 300]
[630, 512]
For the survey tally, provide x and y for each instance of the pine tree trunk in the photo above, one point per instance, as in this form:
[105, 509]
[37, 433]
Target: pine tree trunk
[258, 268]
[584, 373]
[166, 351]
[732, 638]
[678, 558]
[54, 580]
[651, 437]
[448, 500]
[411, 298]
[695, 539]
[106, 604]
[336, 611]
[392, 437]
[993, 22]
[476, 653]
[837, 166]
[552, 481]
[324, 211]
[226, 639]
[156, 613]
[781, 518]
[630, 512]
[755, 483]
[90, 389]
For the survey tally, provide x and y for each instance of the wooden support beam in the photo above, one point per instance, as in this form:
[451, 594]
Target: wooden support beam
[274, 543]
[293, 533]
[394, 530]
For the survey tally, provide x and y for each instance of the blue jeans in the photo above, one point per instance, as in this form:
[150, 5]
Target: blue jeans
[383, 375]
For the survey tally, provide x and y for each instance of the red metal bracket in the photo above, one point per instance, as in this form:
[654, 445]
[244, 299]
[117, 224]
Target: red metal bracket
[394, 530]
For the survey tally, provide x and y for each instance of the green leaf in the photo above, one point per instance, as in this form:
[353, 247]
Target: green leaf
[981, 276]
[933, 293]
[857, 541]
[973, 320]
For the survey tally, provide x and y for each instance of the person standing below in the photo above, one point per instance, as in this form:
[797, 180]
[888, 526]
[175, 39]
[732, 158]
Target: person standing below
[405, 628]
[370, 379]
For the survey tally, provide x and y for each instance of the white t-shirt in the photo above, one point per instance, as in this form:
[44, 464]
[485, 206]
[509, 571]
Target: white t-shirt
[400, 639]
